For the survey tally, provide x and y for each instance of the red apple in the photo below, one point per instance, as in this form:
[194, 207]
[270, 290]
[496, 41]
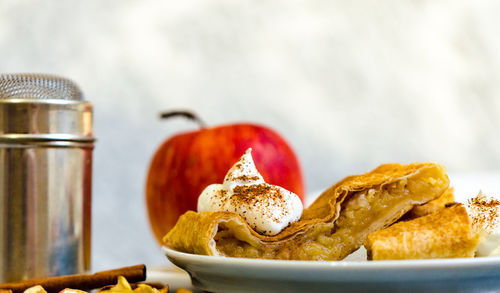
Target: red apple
[187, 163]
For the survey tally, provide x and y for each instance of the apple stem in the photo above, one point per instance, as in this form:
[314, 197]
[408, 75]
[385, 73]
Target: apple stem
[184, 113]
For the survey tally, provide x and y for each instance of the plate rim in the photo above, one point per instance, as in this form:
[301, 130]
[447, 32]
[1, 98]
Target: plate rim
[465, 263]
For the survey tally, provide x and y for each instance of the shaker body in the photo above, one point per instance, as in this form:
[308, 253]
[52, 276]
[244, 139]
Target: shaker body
[45, 209]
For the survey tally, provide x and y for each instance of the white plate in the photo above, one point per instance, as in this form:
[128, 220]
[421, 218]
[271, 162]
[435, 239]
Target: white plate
[224, 274]
[227, 274]
[171, 275]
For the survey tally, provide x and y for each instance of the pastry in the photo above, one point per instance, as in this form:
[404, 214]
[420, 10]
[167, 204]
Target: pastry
[432, 206]
[443, 234]
[335, 225]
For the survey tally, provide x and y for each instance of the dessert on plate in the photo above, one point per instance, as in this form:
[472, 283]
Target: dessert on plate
[446, 233]
[247, 217]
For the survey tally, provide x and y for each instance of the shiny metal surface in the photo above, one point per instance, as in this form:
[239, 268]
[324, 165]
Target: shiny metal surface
[31, 119]
[38, 86]
[46, 145]
[45, 201]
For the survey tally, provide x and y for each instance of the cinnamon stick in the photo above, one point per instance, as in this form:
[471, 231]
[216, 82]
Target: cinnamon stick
[133, 274]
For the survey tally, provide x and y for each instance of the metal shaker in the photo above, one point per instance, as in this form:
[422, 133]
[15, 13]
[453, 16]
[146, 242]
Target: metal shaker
[46, 144]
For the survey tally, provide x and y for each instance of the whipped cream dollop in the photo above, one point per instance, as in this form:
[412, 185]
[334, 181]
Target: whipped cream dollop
[267, 208]
[484, 212]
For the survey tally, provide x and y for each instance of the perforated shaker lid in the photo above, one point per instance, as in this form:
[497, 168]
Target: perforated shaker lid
[41, 107]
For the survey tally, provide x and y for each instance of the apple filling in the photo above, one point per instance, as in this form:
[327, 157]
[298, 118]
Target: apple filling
[229, 245]
[362, 212]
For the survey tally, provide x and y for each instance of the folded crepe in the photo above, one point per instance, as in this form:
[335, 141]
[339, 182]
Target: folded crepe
[446, 233]
[432, 206]
[335, 225]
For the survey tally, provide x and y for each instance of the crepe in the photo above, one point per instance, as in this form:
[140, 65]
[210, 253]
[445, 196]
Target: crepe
[444, 234]
[432, 206]
[335, 225]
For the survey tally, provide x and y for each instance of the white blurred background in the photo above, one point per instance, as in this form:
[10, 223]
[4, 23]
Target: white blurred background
[350, 84]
